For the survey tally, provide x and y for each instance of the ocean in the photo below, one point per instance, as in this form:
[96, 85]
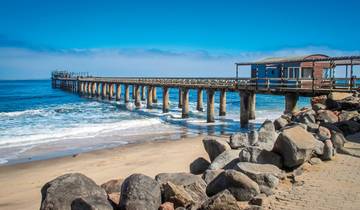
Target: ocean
[38, 122]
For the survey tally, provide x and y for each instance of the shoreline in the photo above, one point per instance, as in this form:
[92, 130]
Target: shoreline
[99, 165]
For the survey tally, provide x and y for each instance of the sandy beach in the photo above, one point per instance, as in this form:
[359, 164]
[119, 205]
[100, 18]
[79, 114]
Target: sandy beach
[21, 183]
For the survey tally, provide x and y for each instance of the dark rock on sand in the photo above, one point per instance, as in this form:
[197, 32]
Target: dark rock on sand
[214, 146]
[224, 200]
[226, 160]
[258, 155]
[199, 166]
[210, 175]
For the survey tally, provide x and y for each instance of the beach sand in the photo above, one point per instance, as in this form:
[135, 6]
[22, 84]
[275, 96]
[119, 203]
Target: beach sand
[21, 183]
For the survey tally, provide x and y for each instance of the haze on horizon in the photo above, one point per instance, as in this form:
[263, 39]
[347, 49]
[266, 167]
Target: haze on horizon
[167, 38]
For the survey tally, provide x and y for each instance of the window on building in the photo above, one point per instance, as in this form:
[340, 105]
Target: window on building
[306, 73]
[293, 72]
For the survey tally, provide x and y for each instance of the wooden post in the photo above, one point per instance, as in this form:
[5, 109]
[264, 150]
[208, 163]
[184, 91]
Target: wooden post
[290, 102]
[199, 105]
[222, 103]
[252, 105]
[180, 98]
[143, 93]
[127, 94]
[137, 97]
[118, 92]
[166, 100]
[154, 95]
[210, 106]
[149, 97]
[185, 105]
[244, 109]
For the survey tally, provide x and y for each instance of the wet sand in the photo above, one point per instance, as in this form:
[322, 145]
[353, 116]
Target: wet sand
[21, 183]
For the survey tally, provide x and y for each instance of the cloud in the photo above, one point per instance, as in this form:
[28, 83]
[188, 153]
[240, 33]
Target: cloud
[19, 61]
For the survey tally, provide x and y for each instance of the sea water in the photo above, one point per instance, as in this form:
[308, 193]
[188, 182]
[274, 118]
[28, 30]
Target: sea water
[39, 122]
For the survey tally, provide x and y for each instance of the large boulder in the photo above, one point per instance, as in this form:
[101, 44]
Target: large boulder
[328, 150]
[258, 155]
[239, 140]
[338, 96]
[224, 200]
[323, 133]
[327, 116]
[182, 179]
[113, 189]
[319, 148]
[177, 195]
[267, 135]
[73, 191]
[240, 185]
[295, 145]
[140, 192]
[348, 115]
[280, 123]
[337, 139]
[348, 127]
[226, 160]
[214, 146]
[199, 165]
[263, 174]
[210, 175]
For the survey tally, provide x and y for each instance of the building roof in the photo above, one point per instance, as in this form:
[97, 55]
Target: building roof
[340, 60]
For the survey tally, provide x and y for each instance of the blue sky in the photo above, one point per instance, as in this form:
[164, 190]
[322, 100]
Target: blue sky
[170, 38]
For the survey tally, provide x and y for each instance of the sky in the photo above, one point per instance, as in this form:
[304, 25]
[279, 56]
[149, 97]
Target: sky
[167, 38]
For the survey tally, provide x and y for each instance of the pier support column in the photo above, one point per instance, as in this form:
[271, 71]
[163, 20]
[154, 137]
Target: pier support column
[244, 109]
[137, 97]
[143, 93]
[149, 97]
[98, 92]
[180, 98]
[127, 94]
[81, 88]
[185, 105]
[290, 102]
[252, 105]
[210, 105]
[118, 92]
[154, 95]
[103, 90]
[133, 91]
[166, 100]
[93, 89]
[222, 111]
[199, 105]
[111, 91]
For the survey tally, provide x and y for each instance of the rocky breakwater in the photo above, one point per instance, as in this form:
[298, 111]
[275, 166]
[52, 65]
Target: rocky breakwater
[243, 170]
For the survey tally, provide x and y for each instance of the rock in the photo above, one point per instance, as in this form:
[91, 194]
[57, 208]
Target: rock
[182, 179]
[280, 123]
[177, 195]
[199, 166]
[239, 140]
[180, 208]
[315, 161]
[307, 117]
[260, 200]
[226, 160]
[197, 193]
[209, 175]
[267, 135]
[354, 137]
[319, 148]
[257, 155]
[328, 150]
[73, 191]
[253, 136]
[323, 133]
[295, 145]
[312, 127]
[338, 96]
[262, 174]
[327, 116]
[112, 186]
[166, 206]
[350, 103]
[266, 190]
[140, 192]
[318, 100]
[348, 115]
[348, 127]
[240, 186]
[224, 200]
[214, 146]
[114, 198]
[316, 107]
[337, 139]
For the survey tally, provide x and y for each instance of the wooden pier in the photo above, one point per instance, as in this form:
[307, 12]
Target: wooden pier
[109, 88]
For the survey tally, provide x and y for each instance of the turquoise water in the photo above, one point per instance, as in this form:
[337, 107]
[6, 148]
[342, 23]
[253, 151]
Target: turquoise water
[38, 122]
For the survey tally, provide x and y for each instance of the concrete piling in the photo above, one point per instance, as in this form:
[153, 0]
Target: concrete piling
[210, 106]
[199, 105]
[222, 111]
[103, 90]
[290, 102]
[149, 97]
[137, 97]
[180, 98]
[118, 92]
[244, 108]
[185, 105]
[127, 93]
[98, 92]
[252, 103]
[166, 100]
[143, 93]
[154, 96]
